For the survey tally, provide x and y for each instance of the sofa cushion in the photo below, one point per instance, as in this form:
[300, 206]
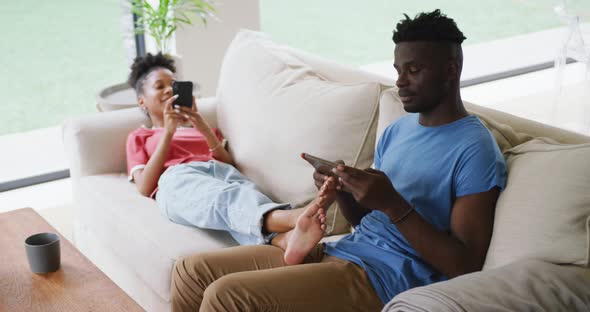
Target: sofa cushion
[273, 107]
[505, 136]
[144, 238]
[526, 285]
[390, 109]
[544, 211]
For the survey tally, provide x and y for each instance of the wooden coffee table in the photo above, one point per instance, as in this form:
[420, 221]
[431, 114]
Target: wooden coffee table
[77, 286]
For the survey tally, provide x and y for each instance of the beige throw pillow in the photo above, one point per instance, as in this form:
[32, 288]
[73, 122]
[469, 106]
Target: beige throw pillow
[544, 211]
[274, 107]
[505, 136]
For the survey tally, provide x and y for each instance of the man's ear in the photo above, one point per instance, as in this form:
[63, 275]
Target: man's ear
[453, 69]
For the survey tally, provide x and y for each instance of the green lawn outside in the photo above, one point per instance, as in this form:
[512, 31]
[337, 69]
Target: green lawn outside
[56, 55]
[359, 32]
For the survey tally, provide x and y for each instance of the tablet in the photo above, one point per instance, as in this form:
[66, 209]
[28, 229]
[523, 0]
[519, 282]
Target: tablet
[320, 164]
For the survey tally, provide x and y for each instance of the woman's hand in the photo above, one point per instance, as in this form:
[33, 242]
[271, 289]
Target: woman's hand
[201, 125]
[171, 117]
[193, 116]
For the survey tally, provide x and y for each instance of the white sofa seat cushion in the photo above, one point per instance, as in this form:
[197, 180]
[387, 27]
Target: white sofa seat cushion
[133, 227]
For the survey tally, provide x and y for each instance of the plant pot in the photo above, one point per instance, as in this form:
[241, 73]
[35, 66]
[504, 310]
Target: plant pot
[119, 96]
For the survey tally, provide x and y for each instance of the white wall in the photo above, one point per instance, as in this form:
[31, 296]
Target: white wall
[202, 48]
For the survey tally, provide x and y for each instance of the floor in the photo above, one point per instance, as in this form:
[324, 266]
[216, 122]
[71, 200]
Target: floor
[52, 200]
[533, 95]
[28, 147]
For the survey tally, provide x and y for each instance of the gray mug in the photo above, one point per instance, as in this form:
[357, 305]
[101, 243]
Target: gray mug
[43, 252]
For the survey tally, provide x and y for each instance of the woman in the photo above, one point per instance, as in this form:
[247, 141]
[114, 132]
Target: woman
[191, 174]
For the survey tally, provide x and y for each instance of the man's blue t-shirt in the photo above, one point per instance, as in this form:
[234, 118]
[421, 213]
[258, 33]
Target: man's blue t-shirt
[430, 167]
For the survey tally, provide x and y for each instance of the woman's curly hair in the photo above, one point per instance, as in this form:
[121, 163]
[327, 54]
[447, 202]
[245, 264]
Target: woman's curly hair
[428, 26]
[143, 65]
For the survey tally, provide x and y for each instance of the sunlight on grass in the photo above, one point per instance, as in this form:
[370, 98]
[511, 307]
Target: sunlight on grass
[55, 57]
[359, 32]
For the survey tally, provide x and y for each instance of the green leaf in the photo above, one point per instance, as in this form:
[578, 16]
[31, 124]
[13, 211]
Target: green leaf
[147, 6]
[170, 32]
[183, 18]
[162, 21]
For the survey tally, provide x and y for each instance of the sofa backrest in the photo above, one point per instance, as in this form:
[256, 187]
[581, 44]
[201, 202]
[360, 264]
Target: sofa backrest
[338, 72]
[276, 102]
[95, 144]
[530, 127]
[507, 128]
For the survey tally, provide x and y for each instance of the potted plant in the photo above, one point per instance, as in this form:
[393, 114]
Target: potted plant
[162, 21]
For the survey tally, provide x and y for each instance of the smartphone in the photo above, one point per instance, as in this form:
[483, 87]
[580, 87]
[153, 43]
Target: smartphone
[184, 89]
[321, 165]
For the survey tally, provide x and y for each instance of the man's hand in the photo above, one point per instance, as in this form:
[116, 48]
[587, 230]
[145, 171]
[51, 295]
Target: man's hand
[320, 177]
[352, 210]
[370, 188]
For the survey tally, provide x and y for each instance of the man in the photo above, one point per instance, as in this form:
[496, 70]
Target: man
[425, 214]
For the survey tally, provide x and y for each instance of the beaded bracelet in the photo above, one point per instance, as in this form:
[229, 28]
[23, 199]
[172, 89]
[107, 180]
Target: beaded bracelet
[400, 219]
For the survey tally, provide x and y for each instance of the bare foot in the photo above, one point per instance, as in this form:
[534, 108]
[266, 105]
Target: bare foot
[328, 190]
[308, 231]
[281, 221]
[310, 226]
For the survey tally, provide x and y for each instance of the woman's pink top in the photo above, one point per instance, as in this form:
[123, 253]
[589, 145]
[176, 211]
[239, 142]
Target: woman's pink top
[187, 145]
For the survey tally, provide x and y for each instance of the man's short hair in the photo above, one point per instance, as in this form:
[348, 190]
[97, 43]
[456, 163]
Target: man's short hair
[432, 26]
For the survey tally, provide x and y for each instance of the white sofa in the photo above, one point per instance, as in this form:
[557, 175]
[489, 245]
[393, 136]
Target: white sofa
[272, 103]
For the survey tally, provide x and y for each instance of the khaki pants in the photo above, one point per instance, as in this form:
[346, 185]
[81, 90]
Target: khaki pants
[255, 278]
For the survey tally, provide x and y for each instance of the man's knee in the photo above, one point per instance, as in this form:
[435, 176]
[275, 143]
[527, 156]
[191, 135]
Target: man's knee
[226, 294]
[195, 267]
[187, 287]
[178, 272]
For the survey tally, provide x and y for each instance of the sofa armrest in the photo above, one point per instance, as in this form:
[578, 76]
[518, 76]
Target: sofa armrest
[95, 144]
[527, 285]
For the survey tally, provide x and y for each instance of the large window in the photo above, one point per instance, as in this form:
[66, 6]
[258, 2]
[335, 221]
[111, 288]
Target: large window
[359, 32]
[55, 57]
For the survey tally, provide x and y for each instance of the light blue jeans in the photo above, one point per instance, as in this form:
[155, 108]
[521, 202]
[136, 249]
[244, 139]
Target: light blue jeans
[215, 195]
